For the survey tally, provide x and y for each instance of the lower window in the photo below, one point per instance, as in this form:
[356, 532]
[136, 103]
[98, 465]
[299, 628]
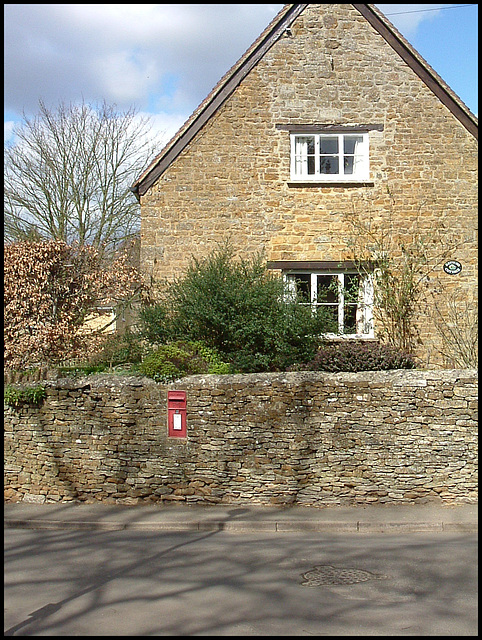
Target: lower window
[347, 296]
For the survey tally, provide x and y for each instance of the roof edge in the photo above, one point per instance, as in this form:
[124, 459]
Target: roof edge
[420, 66]
[256, 51]
[228, 83]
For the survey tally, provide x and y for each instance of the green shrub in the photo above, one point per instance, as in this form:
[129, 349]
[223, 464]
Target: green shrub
[82, 369]
[118, 349]
[16, 396]
[359, 356]
[241, 310]
[181, 358]
[154, 323]
[212, 359]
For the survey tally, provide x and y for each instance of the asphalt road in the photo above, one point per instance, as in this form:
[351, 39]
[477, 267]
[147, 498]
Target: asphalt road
[73, 583]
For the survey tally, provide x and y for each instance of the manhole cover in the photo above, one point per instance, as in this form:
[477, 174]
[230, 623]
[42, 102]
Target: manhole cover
[325, 574]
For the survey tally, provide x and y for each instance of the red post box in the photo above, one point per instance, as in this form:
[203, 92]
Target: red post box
[176, 414]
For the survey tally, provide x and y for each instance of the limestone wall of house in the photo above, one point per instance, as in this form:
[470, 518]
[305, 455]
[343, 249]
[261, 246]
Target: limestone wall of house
[305, 438]
[233, 180]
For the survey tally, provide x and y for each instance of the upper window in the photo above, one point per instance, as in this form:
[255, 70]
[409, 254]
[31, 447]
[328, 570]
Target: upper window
[327, 157]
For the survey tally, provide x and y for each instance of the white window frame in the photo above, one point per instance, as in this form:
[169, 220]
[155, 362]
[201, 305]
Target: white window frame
[364, 312]
[300, 159]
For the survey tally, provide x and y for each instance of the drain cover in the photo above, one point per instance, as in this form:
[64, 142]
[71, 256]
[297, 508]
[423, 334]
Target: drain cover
[325, 574]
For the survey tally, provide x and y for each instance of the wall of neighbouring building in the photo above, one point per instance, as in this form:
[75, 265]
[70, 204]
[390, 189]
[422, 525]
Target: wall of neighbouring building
[300, 438]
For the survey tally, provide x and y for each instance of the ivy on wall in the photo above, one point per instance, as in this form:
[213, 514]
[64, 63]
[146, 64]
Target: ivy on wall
[17, 396]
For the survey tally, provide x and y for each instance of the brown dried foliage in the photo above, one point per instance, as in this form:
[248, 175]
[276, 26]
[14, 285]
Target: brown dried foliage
[49, 290]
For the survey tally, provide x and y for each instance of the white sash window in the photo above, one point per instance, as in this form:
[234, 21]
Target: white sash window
[347, 296]
[329, 157]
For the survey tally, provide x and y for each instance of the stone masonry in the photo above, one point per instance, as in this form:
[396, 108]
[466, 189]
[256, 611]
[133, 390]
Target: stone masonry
[232, 181]
[305, 438]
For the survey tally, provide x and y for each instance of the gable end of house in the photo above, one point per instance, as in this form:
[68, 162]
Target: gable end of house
[278, 27]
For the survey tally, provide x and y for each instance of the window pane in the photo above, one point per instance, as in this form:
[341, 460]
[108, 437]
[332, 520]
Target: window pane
[305, 144]
[329, 165]
[331, 316]
[305, 166]
[304, 155]
[303, 286]
[327, 289]
[328, 144]
[349, 318]
[348, 165]
[352, 144]
[351, 298]
[354, 159]
[352, 285]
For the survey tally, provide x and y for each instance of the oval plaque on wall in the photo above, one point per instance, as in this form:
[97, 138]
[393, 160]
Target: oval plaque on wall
[452, 267]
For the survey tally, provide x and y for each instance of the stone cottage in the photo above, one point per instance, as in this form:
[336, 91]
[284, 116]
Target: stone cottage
[329, 128]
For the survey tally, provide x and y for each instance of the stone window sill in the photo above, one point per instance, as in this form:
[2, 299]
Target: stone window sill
[333, 183]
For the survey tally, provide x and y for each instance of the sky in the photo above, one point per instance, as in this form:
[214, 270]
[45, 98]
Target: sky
[163, 59]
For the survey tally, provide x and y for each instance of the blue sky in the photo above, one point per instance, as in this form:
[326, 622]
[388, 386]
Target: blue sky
[165, 58]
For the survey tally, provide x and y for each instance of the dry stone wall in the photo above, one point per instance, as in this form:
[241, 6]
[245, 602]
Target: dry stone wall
[300, 438]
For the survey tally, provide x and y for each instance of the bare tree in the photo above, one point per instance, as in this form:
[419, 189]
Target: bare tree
[404, 266]
[458, 328]
[68, 173]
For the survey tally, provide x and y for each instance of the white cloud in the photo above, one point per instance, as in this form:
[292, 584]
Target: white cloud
[161, 58]
[123, 76]
[123, 53]
[407, 17]
[8, 131]
[165, 125]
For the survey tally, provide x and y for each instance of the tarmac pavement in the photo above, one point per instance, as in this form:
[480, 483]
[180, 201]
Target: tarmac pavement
[243, 519]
